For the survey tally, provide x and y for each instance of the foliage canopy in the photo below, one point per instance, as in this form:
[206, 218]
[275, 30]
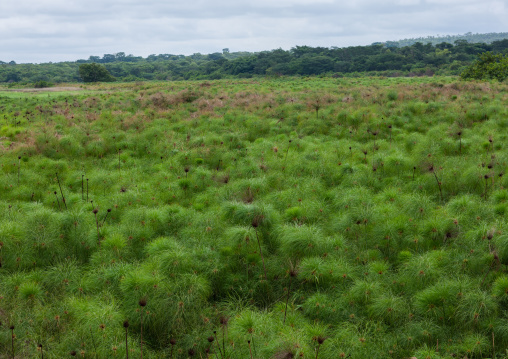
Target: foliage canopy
[488, 66]
[94, 73]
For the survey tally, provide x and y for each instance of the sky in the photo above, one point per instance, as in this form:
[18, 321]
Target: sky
[37, 31]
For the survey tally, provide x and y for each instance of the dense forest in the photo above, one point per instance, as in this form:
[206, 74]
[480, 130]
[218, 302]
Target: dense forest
[417, 59]
[434, 40]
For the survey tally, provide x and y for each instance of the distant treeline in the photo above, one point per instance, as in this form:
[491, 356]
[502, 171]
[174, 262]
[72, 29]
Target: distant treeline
[434, 40]
[417, 59]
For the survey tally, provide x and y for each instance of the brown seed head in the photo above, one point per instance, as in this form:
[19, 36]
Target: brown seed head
[224, 320]
[142, 302]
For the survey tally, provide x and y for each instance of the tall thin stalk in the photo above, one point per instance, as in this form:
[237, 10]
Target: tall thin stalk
[126, 326]
[250, 349]
[95, 211]
[142, 304]
[172, 341]
[292, 273]
[493, 347]
[224, 323]
[12, 339]
[255, 224]
[106, 216]
[19, 166]
[61, 192]
[433, 171]
[210, 340]
[460, 141]
[217, 342]
[57, 201]
[286, 156]
[439, 186]
[320, 341]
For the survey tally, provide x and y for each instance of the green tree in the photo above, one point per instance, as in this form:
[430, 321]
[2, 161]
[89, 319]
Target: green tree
[488, 66]
[94, 73]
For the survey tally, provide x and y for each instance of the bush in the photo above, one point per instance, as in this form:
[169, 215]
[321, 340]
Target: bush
[94, 73]
[43, 84]
[488, 66]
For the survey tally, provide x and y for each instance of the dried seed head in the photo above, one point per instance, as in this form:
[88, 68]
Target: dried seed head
[224, 320]
[95, 211]
[321, 340]
[109, 210]
[191, 352]
[142, 302]
[172, 341]
[126, 324]
[211, 339]
[73, 353]
[11, 327]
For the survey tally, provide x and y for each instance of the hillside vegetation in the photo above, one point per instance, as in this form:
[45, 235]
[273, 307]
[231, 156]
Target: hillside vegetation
[268, 218]
[487, 38]
[417, 59]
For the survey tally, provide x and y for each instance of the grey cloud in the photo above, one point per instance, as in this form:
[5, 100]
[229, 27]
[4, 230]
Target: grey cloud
[55, 30]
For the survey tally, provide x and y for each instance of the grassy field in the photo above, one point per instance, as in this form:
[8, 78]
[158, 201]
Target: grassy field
[282, 218]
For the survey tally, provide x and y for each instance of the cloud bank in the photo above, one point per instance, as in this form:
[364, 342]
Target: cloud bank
[59, 30]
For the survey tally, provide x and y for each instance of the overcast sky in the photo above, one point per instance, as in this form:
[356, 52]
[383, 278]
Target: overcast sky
[59, 30]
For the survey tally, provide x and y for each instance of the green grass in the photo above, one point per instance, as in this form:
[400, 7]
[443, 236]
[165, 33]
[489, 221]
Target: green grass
[369, 222]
